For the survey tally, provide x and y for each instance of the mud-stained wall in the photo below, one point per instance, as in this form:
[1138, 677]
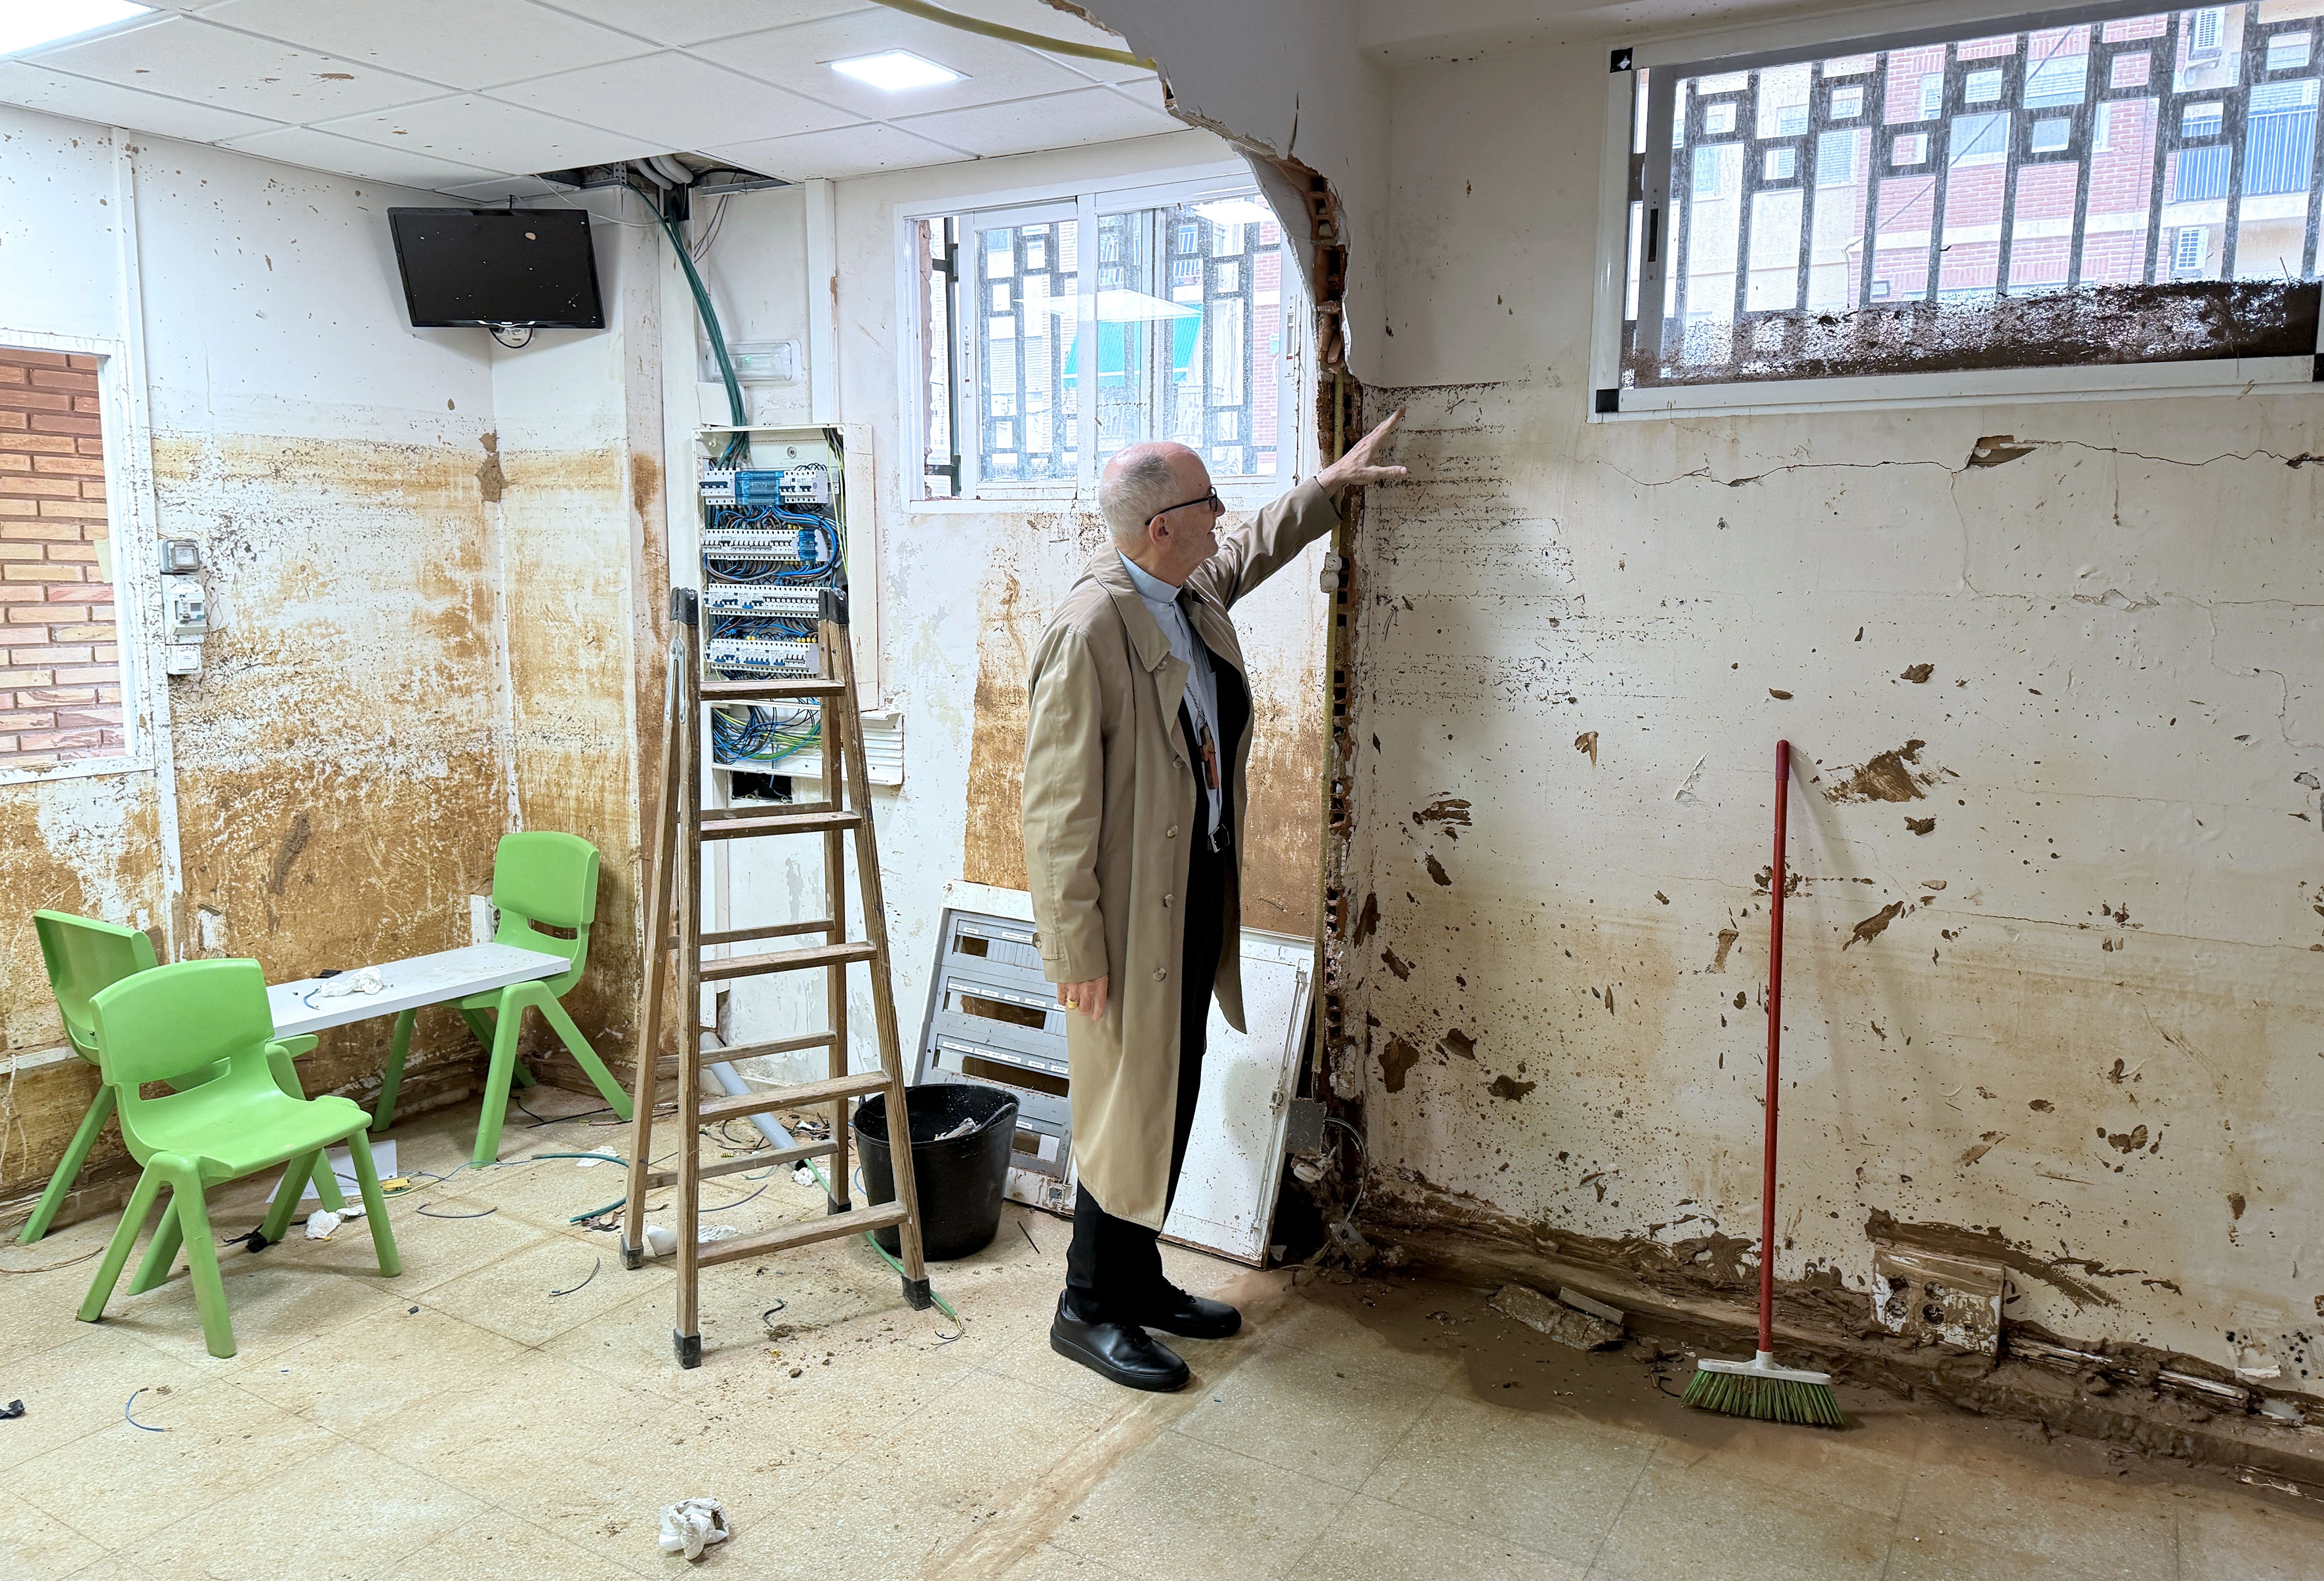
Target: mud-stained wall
[328, 791]
[338, 768]
[1282, 635]
[964, 593]
[2052, 960]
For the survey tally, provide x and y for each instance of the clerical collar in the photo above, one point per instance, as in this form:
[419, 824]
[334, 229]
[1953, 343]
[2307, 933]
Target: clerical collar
[1150, 587]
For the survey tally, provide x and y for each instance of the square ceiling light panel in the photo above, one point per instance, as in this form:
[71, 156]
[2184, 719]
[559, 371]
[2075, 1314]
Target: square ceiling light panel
[459, 43]
[895, 70]
[826, 58]
[669, 100]
[27, 25]
[188, 59]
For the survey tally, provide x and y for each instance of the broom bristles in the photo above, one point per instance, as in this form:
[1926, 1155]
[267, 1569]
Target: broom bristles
[1765, 1400]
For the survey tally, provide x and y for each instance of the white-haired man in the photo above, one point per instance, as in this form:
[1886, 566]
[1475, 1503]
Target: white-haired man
[1134, 759]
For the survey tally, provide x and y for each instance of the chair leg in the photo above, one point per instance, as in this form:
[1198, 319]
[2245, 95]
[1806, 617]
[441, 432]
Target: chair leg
[161, 1254]
[506, 1024]
[286, 1077]
[482, 1029]
[578, 1047]
[61, 1184]
[382, 1237]
[117, 1252]
[285, 1205]
[201, 1251]
[391, 1080]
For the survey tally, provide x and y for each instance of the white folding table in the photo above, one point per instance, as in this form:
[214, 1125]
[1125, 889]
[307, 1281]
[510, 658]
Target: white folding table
[431, 979]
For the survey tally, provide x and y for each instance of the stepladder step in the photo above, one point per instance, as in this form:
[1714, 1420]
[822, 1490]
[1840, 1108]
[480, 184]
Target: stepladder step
[787, 960]
[769, 1159]
[806, 1232]
[795, 1096]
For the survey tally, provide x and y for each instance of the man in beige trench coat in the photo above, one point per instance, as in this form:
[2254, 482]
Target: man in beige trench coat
[1135, 752]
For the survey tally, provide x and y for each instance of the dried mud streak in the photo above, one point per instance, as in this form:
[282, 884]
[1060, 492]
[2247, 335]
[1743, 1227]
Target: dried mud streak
[1014, 1535]
[1727, 937]
[1874, 926]
[1398, 1057]
[993, 840]
[1986, 1245]
[338, 761]
[1890, 776]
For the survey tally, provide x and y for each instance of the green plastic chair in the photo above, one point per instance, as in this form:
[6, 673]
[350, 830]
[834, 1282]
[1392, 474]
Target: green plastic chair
[84, 956]
[164, 1025]
[540, 879]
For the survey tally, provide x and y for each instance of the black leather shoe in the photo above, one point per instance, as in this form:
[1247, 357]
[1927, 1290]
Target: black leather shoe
[1190, 1317]
[1122, 1352]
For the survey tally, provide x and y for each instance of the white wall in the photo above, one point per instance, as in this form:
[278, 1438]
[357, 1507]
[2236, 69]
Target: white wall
[2113, 924]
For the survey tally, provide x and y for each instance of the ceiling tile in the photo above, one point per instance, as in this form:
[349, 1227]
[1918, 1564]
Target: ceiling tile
[187, 57]
[796, 57]
[692, 21]
[675, 101]
[37, 88]
[502, 190]
[469, 129]
[850, 151]
[1058, 120]
[1039, 16]
[328, 151]
[461, 44]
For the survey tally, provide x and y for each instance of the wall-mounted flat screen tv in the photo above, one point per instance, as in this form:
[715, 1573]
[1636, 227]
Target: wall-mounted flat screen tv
[525, 267]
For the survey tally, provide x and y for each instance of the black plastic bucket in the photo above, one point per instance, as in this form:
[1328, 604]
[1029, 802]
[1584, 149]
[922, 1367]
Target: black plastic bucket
[960, 1180]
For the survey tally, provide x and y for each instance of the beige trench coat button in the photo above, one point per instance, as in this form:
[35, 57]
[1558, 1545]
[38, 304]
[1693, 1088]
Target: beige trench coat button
[1171, 833]
[1165, 902]
[1160, 973]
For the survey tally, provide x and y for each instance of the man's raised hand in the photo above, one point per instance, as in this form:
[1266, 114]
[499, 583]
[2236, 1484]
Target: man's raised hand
[1356, 468]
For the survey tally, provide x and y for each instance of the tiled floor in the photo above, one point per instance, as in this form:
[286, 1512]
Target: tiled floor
[462, 1420]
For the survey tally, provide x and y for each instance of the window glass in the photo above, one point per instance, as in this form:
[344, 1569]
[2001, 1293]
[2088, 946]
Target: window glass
[2173, 152]
[1028, 363]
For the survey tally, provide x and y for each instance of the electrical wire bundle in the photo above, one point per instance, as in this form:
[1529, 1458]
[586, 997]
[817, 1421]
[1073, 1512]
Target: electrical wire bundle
[764, 736]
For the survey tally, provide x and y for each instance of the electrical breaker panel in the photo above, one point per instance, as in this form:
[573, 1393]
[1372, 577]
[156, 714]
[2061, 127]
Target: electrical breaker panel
[774, 538]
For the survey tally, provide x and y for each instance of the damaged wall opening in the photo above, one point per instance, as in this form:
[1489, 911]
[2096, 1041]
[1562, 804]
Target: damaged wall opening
[2119, 186]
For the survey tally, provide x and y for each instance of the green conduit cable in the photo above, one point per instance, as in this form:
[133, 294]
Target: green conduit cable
[870, 1239]
[993, 30]
[740, 444]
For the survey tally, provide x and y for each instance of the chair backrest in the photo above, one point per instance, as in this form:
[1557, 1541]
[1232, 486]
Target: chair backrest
[543, 878]
[83, 956]
[163, 1024]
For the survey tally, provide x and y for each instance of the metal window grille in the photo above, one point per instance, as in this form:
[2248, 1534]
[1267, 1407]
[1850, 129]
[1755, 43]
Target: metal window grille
[2153, 125]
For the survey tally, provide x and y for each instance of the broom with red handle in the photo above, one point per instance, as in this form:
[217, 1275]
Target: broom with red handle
[1758, 1388]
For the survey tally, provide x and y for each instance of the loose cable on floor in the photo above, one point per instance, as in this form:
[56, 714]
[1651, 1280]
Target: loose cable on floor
[422, 1211]
[127, 1414]
[52, 1267]
[592, 1273]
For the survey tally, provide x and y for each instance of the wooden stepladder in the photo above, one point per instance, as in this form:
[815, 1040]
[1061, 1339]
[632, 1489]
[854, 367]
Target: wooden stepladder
[675, 920]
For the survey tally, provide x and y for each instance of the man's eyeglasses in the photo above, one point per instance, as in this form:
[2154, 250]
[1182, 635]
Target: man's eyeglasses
[1218, 507]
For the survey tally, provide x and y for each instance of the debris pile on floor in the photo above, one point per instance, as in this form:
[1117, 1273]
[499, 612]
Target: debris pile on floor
[1574, 1319]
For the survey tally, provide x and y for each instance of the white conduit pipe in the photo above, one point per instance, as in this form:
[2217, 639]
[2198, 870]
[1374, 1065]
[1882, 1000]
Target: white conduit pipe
[730, 1082]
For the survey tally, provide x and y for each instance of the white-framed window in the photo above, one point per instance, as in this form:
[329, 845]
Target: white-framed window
[1056, 332]
[67, 644]
[2107, 198]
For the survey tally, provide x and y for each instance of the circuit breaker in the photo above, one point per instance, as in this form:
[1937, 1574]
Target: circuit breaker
[774, 536]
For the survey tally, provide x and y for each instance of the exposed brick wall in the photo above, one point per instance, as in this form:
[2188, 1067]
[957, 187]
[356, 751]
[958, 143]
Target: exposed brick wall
[60, 659]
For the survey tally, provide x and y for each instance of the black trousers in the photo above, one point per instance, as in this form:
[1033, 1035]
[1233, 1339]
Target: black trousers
[1114, 1265]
